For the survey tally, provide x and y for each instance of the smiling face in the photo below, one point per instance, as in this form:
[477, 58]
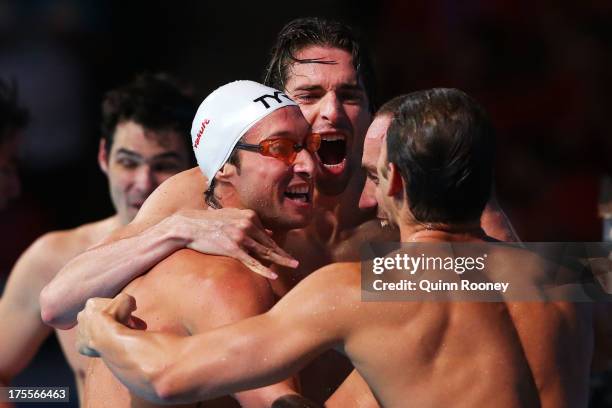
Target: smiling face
[334, 102]
[140, 160]
[372, 147]
[280, 193]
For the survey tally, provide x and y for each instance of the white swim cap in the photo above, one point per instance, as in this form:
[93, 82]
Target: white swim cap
[226, 115]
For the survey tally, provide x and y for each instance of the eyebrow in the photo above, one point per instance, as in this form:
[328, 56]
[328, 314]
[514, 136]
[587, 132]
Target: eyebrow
[368, 167]
[343, 87]
[132, 154]
[351, 87]
[309, 88]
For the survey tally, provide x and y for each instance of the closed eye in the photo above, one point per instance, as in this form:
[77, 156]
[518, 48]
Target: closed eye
[373, 177]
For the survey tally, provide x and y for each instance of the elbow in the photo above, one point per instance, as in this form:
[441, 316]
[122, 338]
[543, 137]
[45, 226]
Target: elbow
[165, 391]
[166, 388]
[172, 389]
[49, 311]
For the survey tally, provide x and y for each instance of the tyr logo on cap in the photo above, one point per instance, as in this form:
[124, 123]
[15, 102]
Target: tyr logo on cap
[276, 97]
[200, 132]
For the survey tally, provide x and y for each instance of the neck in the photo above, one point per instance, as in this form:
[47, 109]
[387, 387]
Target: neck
[337, 213]
[440, 232]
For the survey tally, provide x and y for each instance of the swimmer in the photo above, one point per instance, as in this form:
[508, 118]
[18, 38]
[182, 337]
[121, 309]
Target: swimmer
[145, 128]
[406, 351]
[256, 156]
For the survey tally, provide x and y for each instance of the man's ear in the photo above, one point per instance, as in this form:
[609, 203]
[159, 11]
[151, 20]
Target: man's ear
[226, 173]
[396, 183]
[102, 157]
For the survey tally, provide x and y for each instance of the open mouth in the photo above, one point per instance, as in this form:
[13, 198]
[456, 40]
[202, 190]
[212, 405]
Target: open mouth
[298, 193]
[332, 152]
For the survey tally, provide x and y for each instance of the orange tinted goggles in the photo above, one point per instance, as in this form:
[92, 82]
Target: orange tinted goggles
[282, 148]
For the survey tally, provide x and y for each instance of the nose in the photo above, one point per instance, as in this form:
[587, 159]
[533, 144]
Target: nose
[331, 109]
[367, 200]
[144, 180]
[304, 164]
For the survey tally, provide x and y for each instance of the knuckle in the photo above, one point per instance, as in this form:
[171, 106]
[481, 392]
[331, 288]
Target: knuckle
[239, 236]
[245, 224]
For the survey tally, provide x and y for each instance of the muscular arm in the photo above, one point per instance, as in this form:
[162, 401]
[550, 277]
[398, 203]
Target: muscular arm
[22, 330]
[104, 270]
[171, 219]
[251, 353]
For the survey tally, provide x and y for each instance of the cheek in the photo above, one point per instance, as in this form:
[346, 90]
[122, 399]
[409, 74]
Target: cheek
[369, 189]
[120, 179]
[309, 111]
[378, 195]
[263, 177]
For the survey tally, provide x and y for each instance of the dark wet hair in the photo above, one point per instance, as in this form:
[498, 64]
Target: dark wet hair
[154, 101]
[304, 32]
[391, 106]
[13, 117]
[443, 144]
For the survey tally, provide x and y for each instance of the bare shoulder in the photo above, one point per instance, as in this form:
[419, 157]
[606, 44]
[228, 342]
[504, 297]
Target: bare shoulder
[343, 275]
[39, 264]
[56, 248]
[182, 191]
[212, 282]
[334, 286]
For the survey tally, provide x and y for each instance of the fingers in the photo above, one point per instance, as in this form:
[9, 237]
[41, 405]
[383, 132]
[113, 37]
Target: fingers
[270, 252]
[240, 235]
[261, 243]
[254, 264]
[121, 307]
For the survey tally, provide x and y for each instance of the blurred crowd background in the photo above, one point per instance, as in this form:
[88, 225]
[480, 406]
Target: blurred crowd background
[542, 69]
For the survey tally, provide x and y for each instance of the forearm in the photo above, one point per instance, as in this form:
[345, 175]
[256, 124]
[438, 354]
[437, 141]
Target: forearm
[19, 343]
[152, 364]
[105, 270]
[166, 368]
[137, 358]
